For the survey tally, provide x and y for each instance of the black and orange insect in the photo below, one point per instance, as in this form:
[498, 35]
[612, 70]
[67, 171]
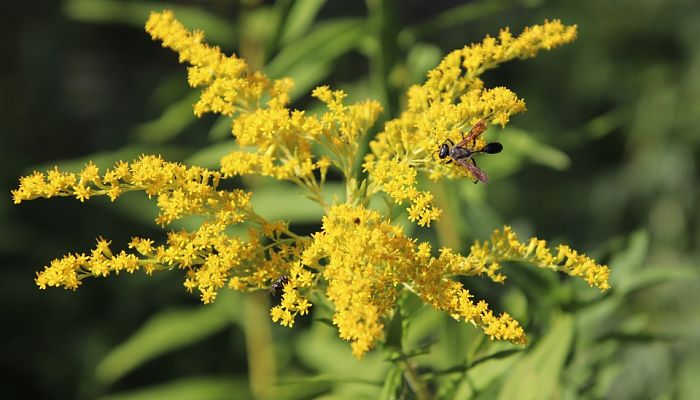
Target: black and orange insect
[460, 154]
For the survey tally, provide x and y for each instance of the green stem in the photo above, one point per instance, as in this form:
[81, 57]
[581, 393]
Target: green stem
[415, 381]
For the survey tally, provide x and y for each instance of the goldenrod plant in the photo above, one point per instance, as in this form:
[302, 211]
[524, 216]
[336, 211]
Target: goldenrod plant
[361, 259]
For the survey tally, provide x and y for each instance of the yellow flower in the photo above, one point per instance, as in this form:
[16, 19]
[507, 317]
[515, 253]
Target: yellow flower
[398, 180]
[181, 190]
[432, 281]
[367, 261]
[283, 140]
[447, 105]
[359, 257]
[72, 268]
[505, 246]
[230, 85]
[295, 297]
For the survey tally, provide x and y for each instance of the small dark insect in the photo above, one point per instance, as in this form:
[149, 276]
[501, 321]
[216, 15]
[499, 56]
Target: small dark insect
[278, 286]
[462, 155]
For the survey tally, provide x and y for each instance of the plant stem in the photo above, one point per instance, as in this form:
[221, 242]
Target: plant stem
[414, 380]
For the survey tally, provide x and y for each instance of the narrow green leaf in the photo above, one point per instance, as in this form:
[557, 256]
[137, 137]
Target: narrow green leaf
[466, 368]
[489, 369]
[326, 42]
[171, 123]
[540, 153]
[319, 349]
[421, 58]
[307, 77]
[326, 321]
[287, 202]
[627, 263]
[219, 30]
[201, 388]
[325, 378]
[536, 375]
[161, 334]
[300, 19]
[221, 129]
[394, 336]
[392, 384]
[299, 391]
[656, 275]
[210, 156]
[606, 123]
[452, 17]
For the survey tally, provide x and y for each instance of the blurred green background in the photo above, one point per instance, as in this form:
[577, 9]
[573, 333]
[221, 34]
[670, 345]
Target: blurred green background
[605, 159]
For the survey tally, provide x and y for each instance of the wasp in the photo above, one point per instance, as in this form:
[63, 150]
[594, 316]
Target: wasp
[460, 154]
[278, 286]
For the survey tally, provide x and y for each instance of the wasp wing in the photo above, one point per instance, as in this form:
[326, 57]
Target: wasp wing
[474, 133]
[476, 172]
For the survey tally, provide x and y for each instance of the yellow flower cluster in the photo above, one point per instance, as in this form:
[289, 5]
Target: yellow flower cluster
[432, 281]
[69, 271]
[398, 179]
[294, 302]
[181, 191]
[211, 257]
[505, 246]
[361, 259]
[366, 260]
[283, 140]
[364, 256]
[230, 85]
[446, 106]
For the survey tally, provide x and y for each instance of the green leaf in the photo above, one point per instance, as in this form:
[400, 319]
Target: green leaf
[210, 156]
[221, 129]
[287, 390]
[308, 77]
[326, 321]
[625, 264]
[656, 275]
[394, 336]
[320, 349]
[536, 375]
[163, 333]
[287, 202]
[392, 384]
[326, 42]
[526, 145]
[324, 378]
[451, 17]
[174, 120]
[606, 123]
[300, 19]
[421, 58]
[466, 368]
[201, 388]
[487, 370]
[218, 29]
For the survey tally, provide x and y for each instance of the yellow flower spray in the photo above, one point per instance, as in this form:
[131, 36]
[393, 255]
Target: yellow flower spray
[360, 258]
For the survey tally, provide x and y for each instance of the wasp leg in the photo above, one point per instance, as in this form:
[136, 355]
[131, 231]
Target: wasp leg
[474, 162]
